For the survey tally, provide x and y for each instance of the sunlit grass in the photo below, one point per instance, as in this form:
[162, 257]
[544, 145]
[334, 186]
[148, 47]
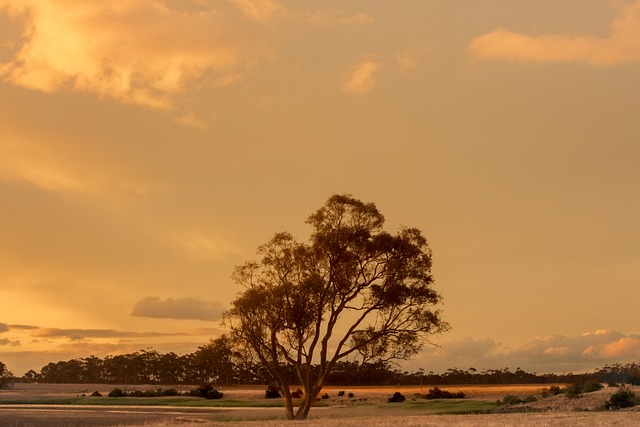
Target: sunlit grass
[145, 401]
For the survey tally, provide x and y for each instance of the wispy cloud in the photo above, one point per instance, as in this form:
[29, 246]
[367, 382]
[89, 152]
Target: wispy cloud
[361, 78]
[140, 52]
[81, 334]
[7, 341]
[260, 10]
[405, 63]
[339, 17]
[178, 308]
[4, 327]
[621, 46]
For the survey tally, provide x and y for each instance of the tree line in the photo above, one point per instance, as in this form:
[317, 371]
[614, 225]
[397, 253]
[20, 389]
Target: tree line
[222, 363]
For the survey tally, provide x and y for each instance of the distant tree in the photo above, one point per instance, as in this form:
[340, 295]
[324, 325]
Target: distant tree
[215, 361]
[5, 376]
[352, 290]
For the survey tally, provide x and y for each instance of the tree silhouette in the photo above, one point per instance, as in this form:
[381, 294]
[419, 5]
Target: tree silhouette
[353, 290]
[5, 376]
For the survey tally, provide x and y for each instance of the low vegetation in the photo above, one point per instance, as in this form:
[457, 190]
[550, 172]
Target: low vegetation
[623, 398]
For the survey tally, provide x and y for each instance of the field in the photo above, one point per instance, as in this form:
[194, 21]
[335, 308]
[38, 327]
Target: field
[63, 405]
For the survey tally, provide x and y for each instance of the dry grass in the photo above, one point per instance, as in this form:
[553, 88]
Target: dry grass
[368, 408]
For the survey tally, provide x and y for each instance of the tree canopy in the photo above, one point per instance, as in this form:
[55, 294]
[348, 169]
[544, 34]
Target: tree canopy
[353, 291]
[5, 376]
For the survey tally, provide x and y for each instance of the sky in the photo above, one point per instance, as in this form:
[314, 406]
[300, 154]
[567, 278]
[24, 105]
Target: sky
[149, 146]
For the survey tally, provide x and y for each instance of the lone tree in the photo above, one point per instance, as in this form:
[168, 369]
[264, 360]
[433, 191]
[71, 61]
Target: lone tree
[352, 290]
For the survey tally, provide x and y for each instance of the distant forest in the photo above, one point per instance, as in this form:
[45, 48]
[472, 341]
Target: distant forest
[217, 363]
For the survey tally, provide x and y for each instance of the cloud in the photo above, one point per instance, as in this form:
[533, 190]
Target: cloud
[549, 353]
[136, 51]
[621, 46]
[338, 17]
[405, 63]
[361, 78]
[7, 341]
[260, 10]
[178, 308]
[192, 121]
[4, 327]
[81, 334]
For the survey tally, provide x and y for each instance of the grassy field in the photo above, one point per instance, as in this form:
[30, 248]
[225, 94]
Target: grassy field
[63, 405]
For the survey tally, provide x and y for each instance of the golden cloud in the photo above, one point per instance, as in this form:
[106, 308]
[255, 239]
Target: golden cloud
[628, 347]
[137, 51]
[361, 78]
[621, 46]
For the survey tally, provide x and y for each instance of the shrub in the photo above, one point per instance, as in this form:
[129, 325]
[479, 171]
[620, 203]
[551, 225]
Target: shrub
[272, 392]
[350, 395]
[510, 399]
[397, 397]
[341, 393]
[214, 394]
[574, 391]
[623, 398]
[170, 392]
[297, 394]
[554, 390]
[325, 396]
[436, 393]
[116, 392]
[96, 394]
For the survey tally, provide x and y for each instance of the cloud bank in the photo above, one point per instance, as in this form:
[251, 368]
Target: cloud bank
[137, 51]
[179, 308]
[620, 47]
[552, 353]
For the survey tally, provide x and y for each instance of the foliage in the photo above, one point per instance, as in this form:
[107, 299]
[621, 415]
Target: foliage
[397, 397]
[510, 399]
[272, 392]
[353, 290]
[117, 392]
[623, 398]
[574, 391]
[6, 377]
[554, 390]
[215, 394]
[436, 393]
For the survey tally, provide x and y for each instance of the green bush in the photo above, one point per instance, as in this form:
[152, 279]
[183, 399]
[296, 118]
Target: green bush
[436, 393]
[623, 398]
[170, 392]
[272, 392]
[214, 394]
[397, 397]
[116, 392]
[510, 399]
[574, 391]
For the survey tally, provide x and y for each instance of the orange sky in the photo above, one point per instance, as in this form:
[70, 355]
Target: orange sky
[148, 146]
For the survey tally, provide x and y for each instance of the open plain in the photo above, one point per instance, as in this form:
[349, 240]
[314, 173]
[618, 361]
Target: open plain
[63, 405]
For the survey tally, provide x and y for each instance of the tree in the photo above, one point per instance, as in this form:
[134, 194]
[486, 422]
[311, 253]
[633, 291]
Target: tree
[354, 290]
[5, 376]
[214, 361]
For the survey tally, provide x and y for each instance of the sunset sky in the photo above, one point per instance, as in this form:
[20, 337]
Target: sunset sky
[149, 146]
